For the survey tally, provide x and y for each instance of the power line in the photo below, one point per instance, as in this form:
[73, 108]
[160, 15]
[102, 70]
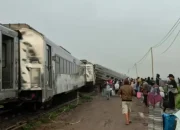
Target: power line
[143, 57]
[171, 42]
[160, 43]
[130, 68]
[135, 65]
[168, 34]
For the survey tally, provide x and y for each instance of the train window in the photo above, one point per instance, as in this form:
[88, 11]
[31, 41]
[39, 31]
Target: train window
[35, 76]
[4, 52]
[78, 69]
[57, 59]
[65, 66]
[74, 68]
[71, 68]
[68, 67]
[57, 69]
[61, 66]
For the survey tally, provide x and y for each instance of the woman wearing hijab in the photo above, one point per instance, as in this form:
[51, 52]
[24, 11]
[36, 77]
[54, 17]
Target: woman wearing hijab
[154, 96]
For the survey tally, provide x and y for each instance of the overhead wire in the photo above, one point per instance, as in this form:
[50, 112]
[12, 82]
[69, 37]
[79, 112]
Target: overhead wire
[168, 34]
[143, 57]
[161, 42]
[171, 43]
[130, 68]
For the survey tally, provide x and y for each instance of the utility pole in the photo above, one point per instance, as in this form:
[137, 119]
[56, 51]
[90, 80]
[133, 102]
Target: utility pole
[136, 70]
[152, 61]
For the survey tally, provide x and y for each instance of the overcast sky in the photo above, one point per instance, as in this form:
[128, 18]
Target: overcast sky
[113, 33]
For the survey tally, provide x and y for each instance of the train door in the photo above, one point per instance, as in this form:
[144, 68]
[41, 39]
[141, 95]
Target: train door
[6, 62]
[0, 62]
[48, 73]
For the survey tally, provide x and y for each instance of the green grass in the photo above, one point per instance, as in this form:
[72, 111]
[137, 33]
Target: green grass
[48, 117]
[53, 115]
[178, 99]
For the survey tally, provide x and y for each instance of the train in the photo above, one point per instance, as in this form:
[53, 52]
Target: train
[104, 73]
[33, 69]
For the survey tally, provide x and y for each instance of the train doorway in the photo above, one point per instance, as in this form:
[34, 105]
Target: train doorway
[7, 58]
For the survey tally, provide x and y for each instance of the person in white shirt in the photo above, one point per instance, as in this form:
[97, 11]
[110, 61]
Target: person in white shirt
[108, 91]
[132, 83]
[116, 87]
[161, 91]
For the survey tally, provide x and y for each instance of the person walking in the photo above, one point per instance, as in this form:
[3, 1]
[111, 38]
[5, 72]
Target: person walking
[158, 79]
[154, 96]
[149, 80]
[172, 91]
[108, 91]
[126, 94]
[145, 91]
[116, 87]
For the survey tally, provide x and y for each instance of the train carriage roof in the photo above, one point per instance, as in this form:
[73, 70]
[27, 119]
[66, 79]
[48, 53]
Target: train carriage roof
[18, 26]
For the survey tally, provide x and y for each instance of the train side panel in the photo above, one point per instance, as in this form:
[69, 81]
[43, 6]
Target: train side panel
[68, 75]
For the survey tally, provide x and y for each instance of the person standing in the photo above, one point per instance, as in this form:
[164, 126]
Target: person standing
[116, 87]
[172, 91]
[158, 79]
[126, 94]
[108, 91]
[145, 91]
[179, 81]
[152, 81]
[149, 80]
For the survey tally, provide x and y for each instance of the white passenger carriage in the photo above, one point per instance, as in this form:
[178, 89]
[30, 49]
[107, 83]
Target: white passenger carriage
[46, 69]
[8, 65]
[90, 76]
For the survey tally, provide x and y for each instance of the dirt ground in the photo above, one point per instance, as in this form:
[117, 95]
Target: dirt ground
[100, 114]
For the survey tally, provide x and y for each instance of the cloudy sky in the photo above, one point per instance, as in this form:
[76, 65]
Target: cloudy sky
[113, 33]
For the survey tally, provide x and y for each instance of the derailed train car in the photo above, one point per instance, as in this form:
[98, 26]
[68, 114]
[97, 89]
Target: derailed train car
[103, 73]
[8, 65]
[90, 76]
[45, 68]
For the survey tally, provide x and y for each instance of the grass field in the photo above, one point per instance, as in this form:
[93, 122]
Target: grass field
[178, 99]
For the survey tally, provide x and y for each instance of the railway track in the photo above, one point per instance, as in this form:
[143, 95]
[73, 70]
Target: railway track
[23, 122]
[21, 119]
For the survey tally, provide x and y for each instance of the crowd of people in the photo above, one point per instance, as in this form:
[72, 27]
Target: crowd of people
[150, 90]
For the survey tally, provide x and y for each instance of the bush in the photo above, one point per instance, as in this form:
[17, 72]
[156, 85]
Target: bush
[178, 99]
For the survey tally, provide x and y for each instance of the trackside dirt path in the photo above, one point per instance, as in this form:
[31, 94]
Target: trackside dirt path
[100, 114]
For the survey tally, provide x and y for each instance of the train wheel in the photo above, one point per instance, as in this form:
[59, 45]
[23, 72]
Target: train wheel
[34, 106]
[48, 104]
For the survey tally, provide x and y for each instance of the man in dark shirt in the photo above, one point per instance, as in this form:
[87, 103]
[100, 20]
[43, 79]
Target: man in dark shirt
[172, 81]
[152, 81]
[172, 92]
[149, 80]
[157, 79]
